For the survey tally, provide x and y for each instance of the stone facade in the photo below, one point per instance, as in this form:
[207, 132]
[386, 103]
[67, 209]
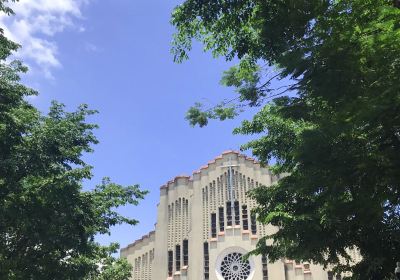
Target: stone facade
[204, 226]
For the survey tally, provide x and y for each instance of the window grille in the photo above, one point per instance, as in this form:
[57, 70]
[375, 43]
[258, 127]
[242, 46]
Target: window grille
[170, 263]
[221, 219]
[206, 262]
[253, 224]
[264, 261]
[228, 214]
[245, 218]
[177, 257]
[185, 252]
[237, 213]
[213, 225]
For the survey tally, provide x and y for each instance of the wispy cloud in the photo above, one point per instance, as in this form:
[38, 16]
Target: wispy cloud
[89, 47]
[35, 24]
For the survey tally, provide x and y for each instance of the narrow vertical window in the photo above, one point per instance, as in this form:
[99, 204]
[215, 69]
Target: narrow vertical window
[338, 277]
[245, 218]
[170, 263]
[213, 225]
[237, 213]
[140, 269]
[136, 269]
[185, 252]
[253, 224]
[330, 275]
[178, 257]
[206, 262]
[228, 214]
[221, 219]
[264, 261]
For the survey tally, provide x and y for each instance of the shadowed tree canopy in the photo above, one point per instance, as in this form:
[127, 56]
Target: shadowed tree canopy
[47, 221]
[326, 77]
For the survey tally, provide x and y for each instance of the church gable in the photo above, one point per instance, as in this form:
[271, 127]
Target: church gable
[205, 225]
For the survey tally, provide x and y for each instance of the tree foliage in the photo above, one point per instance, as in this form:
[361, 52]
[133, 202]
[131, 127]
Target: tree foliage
[47, 221]
[329, 115]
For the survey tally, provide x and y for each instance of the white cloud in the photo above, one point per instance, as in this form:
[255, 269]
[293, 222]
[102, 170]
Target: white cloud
[89, 47]
[34, 25]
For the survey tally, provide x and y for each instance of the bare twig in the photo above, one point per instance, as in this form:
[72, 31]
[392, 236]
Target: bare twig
[269, 80]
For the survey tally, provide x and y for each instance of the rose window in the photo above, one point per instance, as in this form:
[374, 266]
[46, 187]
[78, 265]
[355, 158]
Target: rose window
[234, 267]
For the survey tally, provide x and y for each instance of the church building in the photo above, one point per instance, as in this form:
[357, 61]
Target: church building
[205, 225]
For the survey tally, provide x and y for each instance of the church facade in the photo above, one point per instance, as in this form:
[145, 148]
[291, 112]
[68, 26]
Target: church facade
[205, 225]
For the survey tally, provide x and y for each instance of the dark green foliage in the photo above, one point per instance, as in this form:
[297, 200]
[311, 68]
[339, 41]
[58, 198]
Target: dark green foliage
[333, 126]
[110, 268]
[196, 115]
[47, 222]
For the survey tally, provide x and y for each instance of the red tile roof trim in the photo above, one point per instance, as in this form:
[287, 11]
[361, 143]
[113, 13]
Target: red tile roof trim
[139, 240]
[190, 178]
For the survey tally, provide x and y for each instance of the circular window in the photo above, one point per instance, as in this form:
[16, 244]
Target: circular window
[234, 267]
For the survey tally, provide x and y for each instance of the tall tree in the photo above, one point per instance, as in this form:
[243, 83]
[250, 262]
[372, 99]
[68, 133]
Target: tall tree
[47, 222]
[329, 116]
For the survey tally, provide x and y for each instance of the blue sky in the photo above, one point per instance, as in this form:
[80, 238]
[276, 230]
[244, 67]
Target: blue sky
[115, 56]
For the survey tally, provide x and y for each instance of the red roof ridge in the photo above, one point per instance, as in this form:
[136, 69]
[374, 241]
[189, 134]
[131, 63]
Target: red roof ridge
[139, 240]
[198, 171]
